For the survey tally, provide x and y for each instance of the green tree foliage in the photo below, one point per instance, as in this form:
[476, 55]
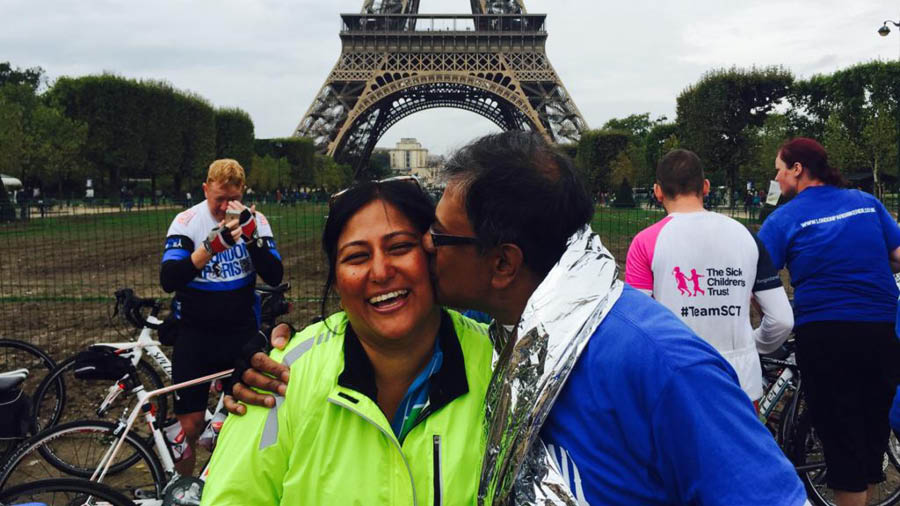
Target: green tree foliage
[32, 77]
[12, 137]
[716, 113]
[379, 166]
[263, 176]
[40, 145]
[299, 156]
[164, 134]
[113, 109]
[597, 150]
[855, 111]
[55, 145]
[331, 176]
[766, 140]
[234, 136]
[624, 194]
[139, 129]
[199, 140]
[570, 149]
[622, 168]
[661, 139]
[640, 127]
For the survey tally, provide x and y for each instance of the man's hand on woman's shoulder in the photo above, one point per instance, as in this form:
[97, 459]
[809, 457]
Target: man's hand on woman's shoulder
[263, 373]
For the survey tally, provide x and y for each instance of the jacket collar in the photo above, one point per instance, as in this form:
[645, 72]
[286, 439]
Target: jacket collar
[448, 383]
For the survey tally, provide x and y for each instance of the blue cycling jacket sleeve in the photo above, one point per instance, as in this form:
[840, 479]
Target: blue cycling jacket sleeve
[267, 261]
[766, 275]
[177, 269]
[176, 274]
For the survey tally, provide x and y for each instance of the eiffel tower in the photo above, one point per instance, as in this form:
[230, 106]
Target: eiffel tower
[395, 62]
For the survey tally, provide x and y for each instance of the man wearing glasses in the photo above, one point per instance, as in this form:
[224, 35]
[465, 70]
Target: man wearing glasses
[628, 403]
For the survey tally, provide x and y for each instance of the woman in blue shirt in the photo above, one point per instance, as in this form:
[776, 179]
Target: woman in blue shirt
[840, 247]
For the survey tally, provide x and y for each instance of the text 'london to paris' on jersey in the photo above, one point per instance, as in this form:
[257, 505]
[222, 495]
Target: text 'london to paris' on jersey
[221, 295]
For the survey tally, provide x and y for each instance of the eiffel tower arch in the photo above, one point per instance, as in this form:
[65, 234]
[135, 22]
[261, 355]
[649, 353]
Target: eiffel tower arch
[395, 62]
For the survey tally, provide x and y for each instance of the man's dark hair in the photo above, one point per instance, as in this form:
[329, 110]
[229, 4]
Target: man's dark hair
[680, 172]
[520, 190]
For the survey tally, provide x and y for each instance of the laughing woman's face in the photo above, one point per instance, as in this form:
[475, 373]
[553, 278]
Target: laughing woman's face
[382, 275]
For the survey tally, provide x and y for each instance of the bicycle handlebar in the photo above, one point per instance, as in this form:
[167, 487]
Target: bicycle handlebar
[131, 306]
[272, 305]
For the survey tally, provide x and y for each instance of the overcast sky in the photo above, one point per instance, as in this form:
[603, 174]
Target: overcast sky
[270, 57]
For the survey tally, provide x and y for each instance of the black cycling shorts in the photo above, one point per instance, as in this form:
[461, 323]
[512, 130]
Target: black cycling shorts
[849, 372]
[200, 352]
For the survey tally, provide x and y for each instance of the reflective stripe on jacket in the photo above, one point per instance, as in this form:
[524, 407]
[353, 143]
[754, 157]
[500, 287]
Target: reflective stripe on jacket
[327, 443]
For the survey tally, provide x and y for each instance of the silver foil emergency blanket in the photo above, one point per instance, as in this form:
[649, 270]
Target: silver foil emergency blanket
[530, 370]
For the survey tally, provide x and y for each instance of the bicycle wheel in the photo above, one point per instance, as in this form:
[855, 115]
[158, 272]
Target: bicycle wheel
[50, 410]
[15, 354]
[808, 455]
[64, 491]
[76, 449]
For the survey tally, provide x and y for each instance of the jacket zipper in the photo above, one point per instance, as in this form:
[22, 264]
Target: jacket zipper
[438, 479]
[389, 436]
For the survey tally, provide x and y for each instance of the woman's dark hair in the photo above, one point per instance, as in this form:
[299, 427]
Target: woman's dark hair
[812, 156]
[405, 195]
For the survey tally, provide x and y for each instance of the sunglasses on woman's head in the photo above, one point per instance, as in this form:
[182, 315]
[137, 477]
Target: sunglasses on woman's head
[395, 179]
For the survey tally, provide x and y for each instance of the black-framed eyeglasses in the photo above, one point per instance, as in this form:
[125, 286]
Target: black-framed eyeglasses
[439, 239]
[395, 179]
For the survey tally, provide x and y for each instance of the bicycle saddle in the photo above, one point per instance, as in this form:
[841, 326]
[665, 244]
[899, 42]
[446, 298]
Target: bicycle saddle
[11, 380]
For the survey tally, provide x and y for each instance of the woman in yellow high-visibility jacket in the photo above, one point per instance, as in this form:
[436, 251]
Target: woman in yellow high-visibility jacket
[386, 399]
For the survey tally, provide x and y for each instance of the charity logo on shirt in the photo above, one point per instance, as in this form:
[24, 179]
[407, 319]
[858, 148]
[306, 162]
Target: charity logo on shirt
[682, 281]
[718, 281]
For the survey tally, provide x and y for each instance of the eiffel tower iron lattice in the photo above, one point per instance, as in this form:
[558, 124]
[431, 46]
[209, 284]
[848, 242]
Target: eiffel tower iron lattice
[395, 62]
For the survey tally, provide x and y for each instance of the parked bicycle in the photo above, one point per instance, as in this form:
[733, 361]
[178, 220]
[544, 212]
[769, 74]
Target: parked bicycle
[16, 354]
[16, 408]
[21, 364]
[111, 454]
[63, 491]
[106, 372]
[783, 410]
[142, 465]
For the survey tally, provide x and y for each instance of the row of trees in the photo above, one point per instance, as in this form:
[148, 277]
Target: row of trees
[293, 162]
[112, 130]
[117, 131]
[735, 119]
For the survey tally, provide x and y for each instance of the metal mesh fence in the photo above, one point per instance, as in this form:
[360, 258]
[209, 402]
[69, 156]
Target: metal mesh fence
[59, 270]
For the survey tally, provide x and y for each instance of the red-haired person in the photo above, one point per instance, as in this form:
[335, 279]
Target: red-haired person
[840, 247]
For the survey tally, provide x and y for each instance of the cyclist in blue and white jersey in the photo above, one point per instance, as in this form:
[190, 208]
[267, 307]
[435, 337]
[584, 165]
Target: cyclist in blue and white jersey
[213, 252]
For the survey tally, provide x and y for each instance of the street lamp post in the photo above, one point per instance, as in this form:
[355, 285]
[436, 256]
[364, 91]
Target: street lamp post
[884, 31]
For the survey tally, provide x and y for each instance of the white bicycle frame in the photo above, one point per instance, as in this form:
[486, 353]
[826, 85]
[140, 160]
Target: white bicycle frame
[146, 344]
[159, 441]
[774, 393]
